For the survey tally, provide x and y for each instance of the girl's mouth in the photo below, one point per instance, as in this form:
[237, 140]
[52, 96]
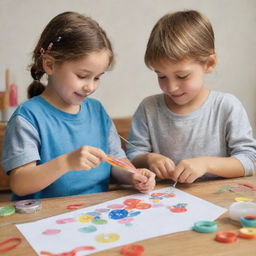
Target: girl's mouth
[81, 95]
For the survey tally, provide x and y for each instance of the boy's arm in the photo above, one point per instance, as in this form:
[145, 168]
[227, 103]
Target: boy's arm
[227, 167]
[141, 161]
[188, 170]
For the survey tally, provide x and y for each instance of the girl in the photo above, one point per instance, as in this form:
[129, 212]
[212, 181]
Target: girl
[189, 131]
[56, 142]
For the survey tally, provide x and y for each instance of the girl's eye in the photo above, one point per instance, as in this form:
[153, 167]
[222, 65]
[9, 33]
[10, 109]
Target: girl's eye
[161, 77]
[96, 78]
[183, 77]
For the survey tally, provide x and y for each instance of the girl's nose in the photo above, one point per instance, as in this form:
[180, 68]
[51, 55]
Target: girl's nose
[89, 86]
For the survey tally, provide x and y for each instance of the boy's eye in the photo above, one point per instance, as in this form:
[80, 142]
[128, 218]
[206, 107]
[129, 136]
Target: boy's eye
[81, 77]
[183, 77]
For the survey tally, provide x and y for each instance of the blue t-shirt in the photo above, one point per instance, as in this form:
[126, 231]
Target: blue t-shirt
[37, 131]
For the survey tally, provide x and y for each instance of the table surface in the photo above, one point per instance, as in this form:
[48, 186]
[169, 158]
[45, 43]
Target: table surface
[181, 243]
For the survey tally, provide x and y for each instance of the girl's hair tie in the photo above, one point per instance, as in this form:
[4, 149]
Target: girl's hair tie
[42, 51]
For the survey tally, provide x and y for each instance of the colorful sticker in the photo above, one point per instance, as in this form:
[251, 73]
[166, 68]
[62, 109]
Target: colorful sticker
[178, 208]
[64, 221]
[99, 221]
[51, 231]
[107, 238]
[85, 218]
[118, 214]
[115, 206]
[88, 229]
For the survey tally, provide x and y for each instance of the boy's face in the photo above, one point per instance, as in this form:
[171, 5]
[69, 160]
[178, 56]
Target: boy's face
[71, 82]
[183, 84]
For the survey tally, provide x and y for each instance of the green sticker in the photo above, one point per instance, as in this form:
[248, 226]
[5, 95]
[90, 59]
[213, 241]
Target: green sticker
[7, 210]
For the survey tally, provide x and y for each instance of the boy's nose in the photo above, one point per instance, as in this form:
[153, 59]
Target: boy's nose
[173, 86]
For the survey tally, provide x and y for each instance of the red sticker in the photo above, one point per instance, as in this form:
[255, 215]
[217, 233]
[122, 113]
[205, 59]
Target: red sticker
[132, 250]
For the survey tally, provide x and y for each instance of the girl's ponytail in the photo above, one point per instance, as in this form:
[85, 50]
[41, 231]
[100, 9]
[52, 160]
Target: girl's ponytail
[36, 87]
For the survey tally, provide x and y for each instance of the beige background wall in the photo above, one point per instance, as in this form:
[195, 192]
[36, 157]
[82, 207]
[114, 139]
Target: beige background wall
[128, 24]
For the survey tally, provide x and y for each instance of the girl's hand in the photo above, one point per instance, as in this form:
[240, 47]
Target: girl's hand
[188, 170]
[84, 158]
[161, 165]
[144, 180]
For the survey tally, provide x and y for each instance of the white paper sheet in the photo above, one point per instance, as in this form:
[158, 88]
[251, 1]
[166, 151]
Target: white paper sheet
[170, 211]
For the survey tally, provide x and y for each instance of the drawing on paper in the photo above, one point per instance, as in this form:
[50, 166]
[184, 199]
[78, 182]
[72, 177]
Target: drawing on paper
[118, 222]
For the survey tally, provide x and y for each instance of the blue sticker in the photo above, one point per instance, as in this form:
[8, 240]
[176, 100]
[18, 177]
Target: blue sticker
[118, 214]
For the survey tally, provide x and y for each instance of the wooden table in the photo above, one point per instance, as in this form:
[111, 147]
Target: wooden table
[181, 243]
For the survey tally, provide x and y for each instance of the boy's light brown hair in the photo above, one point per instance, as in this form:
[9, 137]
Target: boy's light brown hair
[180, 35]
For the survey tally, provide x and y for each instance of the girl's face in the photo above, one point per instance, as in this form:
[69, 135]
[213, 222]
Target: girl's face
[183, 84]
[71, 82]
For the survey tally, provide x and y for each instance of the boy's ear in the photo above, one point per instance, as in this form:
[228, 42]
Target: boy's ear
[210, 63]
[48, 64]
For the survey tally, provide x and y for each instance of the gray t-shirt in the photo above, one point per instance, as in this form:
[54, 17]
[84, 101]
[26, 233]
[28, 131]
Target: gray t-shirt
[220, 127]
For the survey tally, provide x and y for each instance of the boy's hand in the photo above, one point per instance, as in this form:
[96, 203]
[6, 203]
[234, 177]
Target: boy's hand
[161, 165]
[84, 158]
[144, 180]
[188, 170]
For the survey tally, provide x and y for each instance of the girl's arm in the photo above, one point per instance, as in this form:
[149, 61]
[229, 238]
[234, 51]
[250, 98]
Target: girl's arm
[143, 180]
[31, 178]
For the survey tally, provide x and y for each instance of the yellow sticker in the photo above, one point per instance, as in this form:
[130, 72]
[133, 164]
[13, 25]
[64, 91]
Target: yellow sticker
[85, 218]
[107, 238]
[248, 231]
[243, 199]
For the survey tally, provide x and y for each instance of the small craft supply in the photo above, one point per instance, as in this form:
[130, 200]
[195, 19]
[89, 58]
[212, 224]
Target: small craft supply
[70, 253]
[223, 189]
[128, 142]
[248, 221]
[132, 250]
[205, 226]
[249, 185]
[13, 97]
[240, 189]
[247, 232]
[15, 240]
[226, 237]
[7, 88]
[242, 209]
[7, 210]
[243, 199]
[120, 163]
[28, 206]
[74, 206]
[174, 184]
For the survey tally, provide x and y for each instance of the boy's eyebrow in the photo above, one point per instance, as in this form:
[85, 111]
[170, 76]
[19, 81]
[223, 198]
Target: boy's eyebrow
[178, 71]
[85, 70]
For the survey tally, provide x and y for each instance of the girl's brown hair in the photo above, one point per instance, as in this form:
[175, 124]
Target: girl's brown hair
[184, 34]
[68, 37]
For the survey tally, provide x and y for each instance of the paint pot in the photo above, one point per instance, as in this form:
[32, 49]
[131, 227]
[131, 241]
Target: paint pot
[242, 209]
